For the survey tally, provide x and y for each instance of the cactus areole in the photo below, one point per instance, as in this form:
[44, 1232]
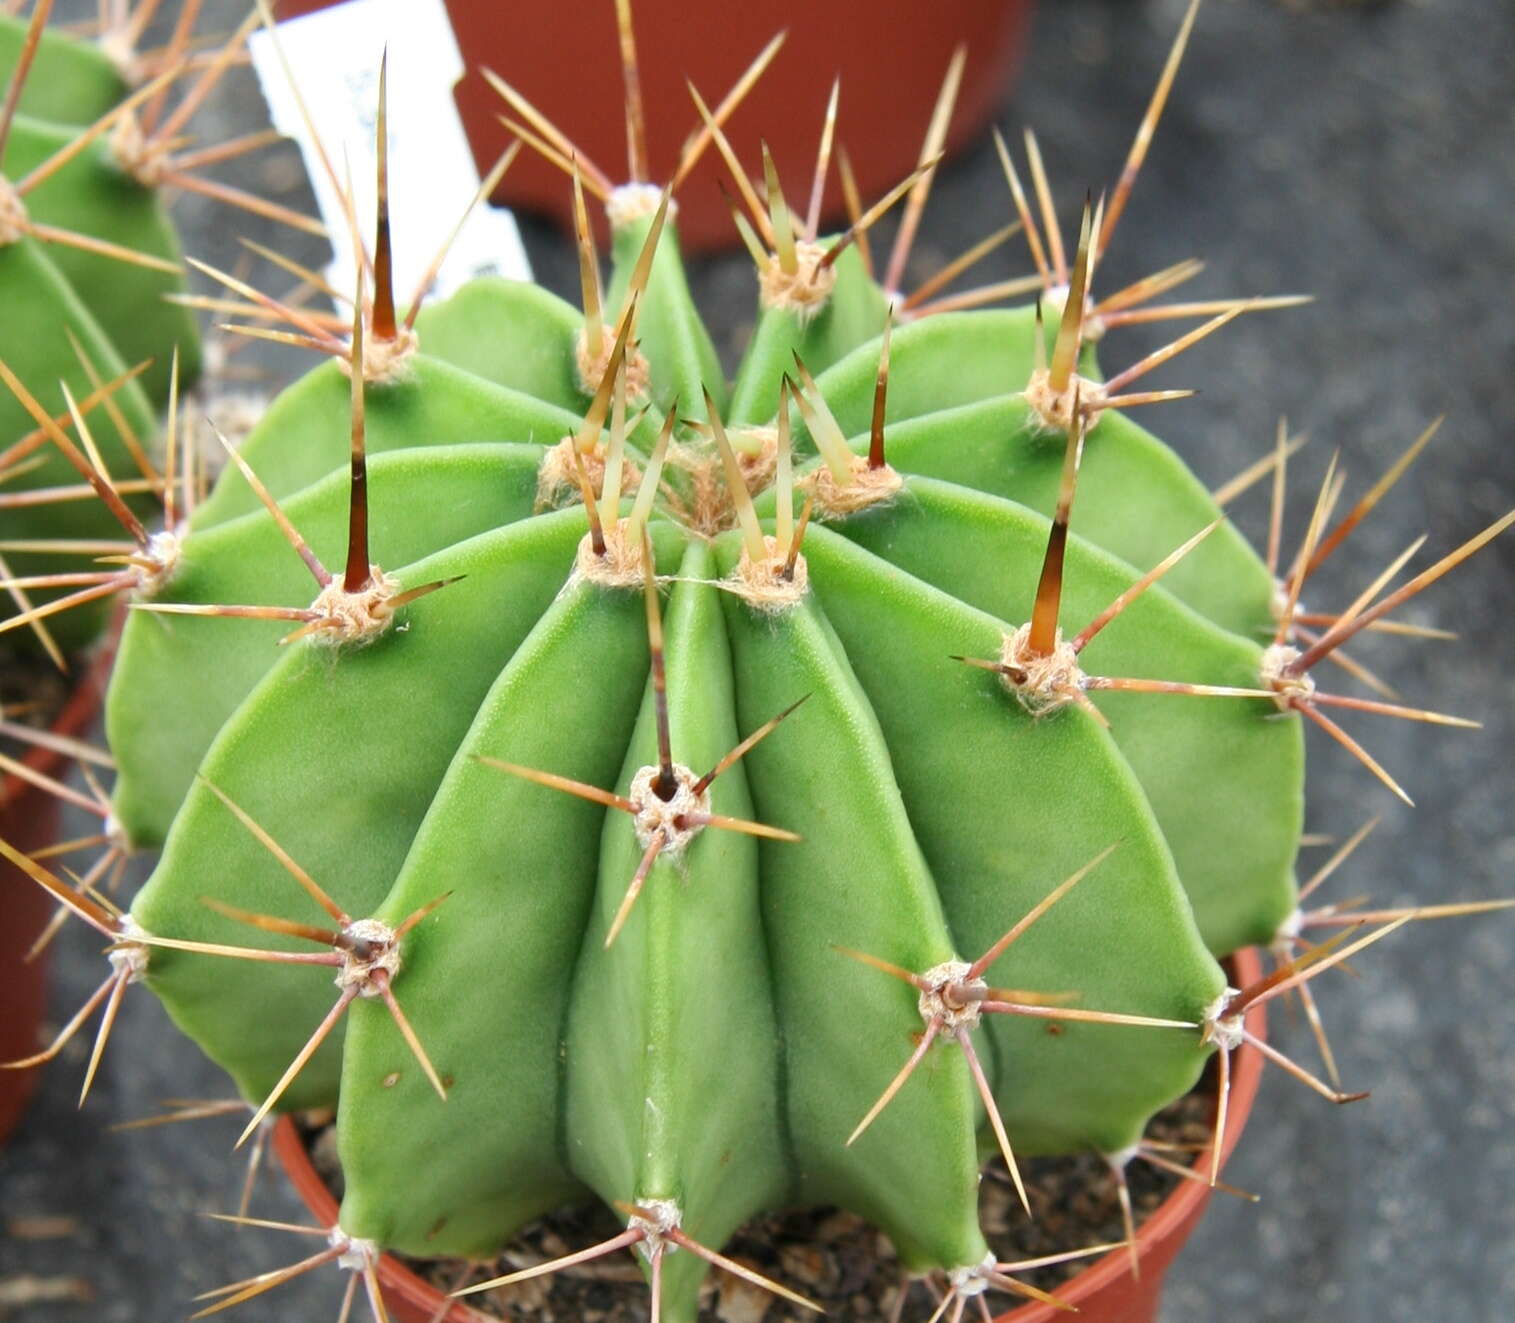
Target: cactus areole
[718, 796]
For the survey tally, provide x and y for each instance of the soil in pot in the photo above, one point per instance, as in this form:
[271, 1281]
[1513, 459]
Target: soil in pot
[835, 1258]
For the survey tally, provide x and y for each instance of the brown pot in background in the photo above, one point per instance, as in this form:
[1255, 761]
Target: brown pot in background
[1105, 1292]
[563, 55]
[890, 54]
[29, 821]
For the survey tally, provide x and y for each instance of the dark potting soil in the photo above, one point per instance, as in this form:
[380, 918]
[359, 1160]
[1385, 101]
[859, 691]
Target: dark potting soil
[833, 1257]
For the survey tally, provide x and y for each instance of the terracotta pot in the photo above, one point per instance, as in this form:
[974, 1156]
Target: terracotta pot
[891, 54]
[1103, 1293]
[29, 821]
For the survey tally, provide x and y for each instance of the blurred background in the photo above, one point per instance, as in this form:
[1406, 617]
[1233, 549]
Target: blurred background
[1360, 152]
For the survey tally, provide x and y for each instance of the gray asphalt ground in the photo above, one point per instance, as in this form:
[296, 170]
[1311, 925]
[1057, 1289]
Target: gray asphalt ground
[1362, 153]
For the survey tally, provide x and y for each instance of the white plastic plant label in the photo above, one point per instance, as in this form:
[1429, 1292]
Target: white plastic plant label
[333, 57]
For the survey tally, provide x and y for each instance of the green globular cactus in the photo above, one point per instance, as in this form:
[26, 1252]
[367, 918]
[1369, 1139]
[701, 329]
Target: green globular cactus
[96, 319]
[710, 801]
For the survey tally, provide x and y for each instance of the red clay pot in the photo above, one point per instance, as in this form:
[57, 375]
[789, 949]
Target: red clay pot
[29, 821]
[891, 54]
[1103, 1293]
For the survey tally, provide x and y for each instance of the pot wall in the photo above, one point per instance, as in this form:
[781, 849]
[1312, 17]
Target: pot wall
[891, 55]
[29, 820]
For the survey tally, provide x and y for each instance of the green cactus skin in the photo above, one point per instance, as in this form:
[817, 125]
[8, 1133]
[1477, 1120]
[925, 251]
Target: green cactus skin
[721, 1051]
[94, 195]
[75, 83]
[42, 310]
[116, 304]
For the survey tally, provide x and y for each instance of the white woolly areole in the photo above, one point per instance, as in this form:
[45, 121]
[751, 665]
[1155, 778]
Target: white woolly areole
[385, 361]
[666, 1217]
[1055, 408]
[135, 154]
[762, 585]
[591, 368]
[162, 551]
[621, 566]
[633, 202]
[1287, 688]
[709, 509]
[1224, 1033]
[1049, 681]
[358, 617]
[806, 290]
[132, 954]
[1054, 300]
[657, 814]
[13, 219]
[1120, 1158]
[115, 834]
[558, 475]
[358, 1255]
[117, 46]
[370, 949]
[757, 453]
[864, 487]
[1291, 928]
[974, 1279]
[943, 999]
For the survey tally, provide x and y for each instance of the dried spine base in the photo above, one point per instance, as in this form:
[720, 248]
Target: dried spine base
[145, 159]
[340, 617]
[774, 584]
[1041, 682]
[620, 564]
[1055, 407]
[387, 360]
[864, 488]
[156, 564]
[592, 366]
[1275, 675]
[950, 998]
[710, 509]
[558, 481]
[804, 290]
[673, 820]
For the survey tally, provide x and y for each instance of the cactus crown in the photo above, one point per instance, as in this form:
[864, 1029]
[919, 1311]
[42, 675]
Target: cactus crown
[721, 799]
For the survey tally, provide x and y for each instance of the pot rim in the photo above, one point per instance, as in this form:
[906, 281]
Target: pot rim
[1173, 1217]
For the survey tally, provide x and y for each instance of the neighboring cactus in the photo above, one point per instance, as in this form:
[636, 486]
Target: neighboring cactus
[690, 1004]
[92, 284]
